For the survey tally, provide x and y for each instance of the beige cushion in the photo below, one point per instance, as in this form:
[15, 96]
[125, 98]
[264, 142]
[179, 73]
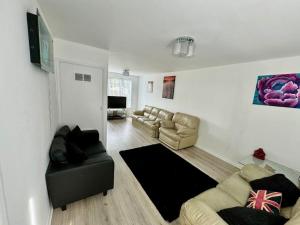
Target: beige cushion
[167, 124]
[152, 124]
[217, 199]
[295, 220]
[186, 132]
[165, 115]
[252, 172]
[237, 188]
[170, 133]
[296, 208]
[286, 212]
[185, 120]
[143, 119]
[148, 109]
[195, 212]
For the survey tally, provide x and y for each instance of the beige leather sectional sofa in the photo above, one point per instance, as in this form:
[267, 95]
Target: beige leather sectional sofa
[232, 192]
[177, 130]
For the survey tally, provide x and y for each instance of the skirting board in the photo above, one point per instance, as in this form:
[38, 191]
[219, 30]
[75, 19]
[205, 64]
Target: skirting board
[50, 216]
[231, 162]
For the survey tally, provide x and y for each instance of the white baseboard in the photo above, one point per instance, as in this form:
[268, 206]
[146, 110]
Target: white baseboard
[231, 162]
[50, 216]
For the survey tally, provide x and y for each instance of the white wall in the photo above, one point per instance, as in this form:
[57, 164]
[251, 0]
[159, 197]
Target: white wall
[231, 126]
[134, 91]
[66, 51]
[25, 133]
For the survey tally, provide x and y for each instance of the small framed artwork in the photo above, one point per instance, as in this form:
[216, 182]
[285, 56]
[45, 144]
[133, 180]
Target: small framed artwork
[150, 87]
[281, 90]
[168, 87]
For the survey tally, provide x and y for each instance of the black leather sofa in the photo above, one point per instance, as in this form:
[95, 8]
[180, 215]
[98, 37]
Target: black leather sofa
[68, 180]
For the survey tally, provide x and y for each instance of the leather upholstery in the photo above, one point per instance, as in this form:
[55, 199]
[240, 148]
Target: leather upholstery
[184, 133]
[232, 192]
[177, 130]
[71, 182]
[149, 119]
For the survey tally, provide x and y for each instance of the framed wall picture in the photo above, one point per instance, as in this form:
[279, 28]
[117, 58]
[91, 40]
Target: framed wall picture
[168, 87]
[281, 90]
[150, 87]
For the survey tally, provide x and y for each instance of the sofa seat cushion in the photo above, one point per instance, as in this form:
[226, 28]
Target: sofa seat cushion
[170, 133]
[286, 212]
[136, 116]
[94, 149]
[151, 124]
[236, 187]
[143, 119]
[197, 212]
[217, 199]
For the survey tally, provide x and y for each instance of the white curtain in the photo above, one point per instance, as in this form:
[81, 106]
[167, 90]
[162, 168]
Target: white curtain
[120, 87]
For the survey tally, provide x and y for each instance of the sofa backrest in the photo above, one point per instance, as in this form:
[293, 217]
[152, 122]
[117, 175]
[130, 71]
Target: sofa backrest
[147, 110]
[183, 120]
[164, 115]
[154, 113]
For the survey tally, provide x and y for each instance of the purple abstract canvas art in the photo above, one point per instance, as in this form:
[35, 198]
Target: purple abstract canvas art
[281, 90]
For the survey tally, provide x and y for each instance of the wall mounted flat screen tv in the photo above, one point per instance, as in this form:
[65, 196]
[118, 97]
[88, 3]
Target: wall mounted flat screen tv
[116, 102]
[40, 43]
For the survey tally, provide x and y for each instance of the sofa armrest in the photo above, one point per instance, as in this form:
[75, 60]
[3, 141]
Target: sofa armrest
[138, 113]
[195, 212]
[186, 132]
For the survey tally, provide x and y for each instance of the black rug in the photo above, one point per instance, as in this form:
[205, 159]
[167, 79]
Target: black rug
[168, 179]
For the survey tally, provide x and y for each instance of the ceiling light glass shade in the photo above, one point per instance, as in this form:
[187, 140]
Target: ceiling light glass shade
[126, 72]
[184, 47]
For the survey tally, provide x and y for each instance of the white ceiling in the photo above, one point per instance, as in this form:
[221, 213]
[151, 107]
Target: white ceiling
[138, 33]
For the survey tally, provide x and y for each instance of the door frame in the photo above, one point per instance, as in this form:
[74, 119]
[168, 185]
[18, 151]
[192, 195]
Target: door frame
[3, 207]
[58, 62]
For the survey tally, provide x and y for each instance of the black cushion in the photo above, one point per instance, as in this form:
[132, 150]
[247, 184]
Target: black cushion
[75, 154]
[75, 135]
[63, 132]
[58, 151]
[248, 216]
[279, 183]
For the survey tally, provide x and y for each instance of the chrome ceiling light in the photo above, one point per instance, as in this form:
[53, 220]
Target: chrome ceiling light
[184, 47]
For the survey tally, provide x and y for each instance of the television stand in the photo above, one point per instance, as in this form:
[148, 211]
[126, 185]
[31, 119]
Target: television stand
[116, 114]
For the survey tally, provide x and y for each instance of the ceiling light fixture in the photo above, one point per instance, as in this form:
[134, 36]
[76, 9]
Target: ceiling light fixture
[184, 47]
[126, 72]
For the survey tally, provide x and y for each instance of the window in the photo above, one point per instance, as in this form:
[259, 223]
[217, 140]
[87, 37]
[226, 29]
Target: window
[120, 87]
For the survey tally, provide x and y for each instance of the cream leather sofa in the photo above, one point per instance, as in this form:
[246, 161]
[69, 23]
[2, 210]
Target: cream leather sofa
[181, 133]
[234, 191]
[149, 119]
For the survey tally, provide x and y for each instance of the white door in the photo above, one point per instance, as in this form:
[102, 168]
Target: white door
[81, 96]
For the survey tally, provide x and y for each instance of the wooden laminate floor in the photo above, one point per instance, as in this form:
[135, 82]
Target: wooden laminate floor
[127, 203]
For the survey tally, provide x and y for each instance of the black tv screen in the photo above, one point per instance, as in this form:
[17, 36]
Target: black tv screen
[40, 43]
[116, 102]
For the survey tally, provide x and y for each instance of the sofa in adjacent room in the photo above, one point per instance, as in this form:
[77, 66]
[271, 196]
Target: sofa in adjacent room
[181, 132]
[232, 192]
[149, 119]
[79, 167]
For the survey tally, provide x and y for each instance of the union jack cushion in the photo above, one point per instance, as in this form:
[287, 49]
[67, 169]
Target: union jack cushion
[264, 200]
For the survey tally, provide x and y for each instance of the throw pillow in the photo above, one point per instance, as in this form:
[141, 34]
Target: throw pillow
[58, 151]
[265, 200]
[248, 216]
[74, 153]
[63, 132]
[279, 183]
[167, 124]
